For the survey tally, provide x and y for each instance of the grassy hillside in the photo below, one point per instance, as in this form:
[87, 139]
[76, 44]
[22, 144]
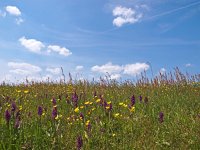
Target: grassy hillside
[163, 113]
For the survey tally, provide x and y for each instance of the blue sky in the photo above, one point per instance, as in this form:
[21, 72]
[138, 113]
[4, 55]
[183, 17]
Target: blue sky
[94, 37]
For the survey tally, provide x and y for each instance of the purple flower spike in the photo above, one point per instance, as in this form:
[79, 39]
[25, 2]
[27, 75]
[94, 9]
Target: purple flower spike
[7, 116]
[54, 101]
[40, 110]
[75, 99]
[13, 106]
[79, 142]
[133, 100]
[161, 117]
[54, 113]
[81, 116]
[140, 98]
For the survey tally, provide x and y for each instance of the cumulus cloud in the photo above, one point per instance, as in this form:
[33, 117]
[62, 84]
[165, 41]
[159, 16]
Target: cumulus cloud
[125, 15]
[13, 10]
[54, 70]
[107, 68]
[23, 68]
[115, 76]
[60, 50]
[78, 68]
[32, 45]
[135, 69]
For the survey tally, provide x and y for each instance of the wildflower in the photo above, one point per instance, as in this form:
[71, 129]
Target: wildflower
[56, 118]
[120, 104]
[140, 98]
[87, 122]
[75, 99]
[86, 103]
[109, 102]
[40, 110]
[54, 101]
[20, 107]
[116, 115]
[18, 91]
[81, 107]
[76, 110]
[81, 116]
[26, 91]
[161, 117]
[54, 113]
[7, 116]
[132, 100]
[125, 105]
[79, 142]
[98, 100]
[113, 134]
[13, 107]
[132, 109]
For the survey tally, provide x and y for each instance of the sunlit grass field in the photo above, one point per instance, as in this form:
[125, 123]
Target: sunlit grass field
[161, 113]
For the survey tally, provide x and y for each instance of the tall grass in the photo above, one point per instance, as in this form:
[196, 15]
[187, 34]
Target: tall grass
[158, 113]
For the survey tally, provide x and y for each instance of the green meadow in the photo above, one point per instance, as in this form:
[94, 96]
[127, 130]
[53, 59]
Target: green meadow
[159, 113]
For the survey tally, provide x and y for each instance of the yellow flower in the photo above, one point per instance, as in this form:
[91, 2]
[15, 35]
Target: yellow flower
[132, 109]
[20, 107]
[26, 91]
[76, 110]
[91, 103]
[56, 117]
[93, 109]
[86, 103]
[113, 134]
[98, 100]
[116, 115]
[81, 107]
[120, 104]
[124, 105]
[107, 107]
[87, 122]
[109, 102]
[18, 91]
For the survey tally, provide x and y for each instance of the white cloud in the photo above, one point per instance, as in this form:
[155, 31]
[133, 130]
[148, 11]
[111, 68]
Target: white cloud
[54, 70]
[19, 21]
[23, 68]
[107, 68]
[115, 76]
[13, 10]
[78, 68]
[58, 49]
[125, 15]
[135, 69]
[32, 44]
[188, 65]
